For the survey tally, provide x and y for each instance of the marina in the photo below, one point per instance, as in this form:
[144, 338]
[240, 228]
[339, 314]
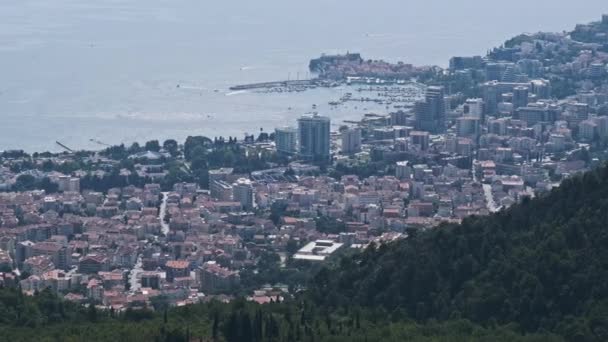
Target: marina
[392, 93]
[289, 85]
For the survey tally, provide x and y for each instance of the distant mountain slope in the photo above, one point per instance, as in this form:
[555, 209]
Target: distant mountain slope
[542, 264]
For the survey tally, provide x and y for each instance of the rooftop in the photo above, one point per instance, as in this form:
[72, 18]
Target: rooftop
[318, 250]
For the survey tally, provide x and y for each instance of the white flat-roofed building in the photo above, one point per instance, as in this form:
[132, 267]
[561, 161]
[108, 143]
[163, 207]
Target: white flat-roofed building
[318, 250]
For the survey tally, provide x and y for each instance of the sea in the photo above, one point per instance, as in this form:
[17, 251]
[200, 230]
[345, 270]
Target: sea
[88, 73]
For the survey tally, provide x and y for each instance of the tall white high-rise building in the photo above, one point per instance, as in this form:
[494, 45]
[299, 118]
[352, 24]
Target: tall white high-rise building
[587, 130]
[242, 192]
[602, 126]
[468, 126]
[403, 170]
[520, 97]
[314, 139]
[286, 140]
[474, 108]
[351, 140]
[431, 113]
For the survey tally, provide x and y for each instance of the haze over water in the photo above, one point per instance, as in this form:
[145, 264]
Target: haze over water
[75, 70]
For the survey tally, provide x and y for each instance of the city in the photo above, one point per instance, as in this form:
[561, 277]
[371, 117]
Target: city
[170, 224]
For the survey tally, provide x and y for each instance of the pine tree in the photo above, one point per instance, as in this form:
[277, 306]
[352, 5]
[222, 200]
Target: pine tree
[92, 313]
[257, 326]
[245, 327]
[231, 328]
[215, 326]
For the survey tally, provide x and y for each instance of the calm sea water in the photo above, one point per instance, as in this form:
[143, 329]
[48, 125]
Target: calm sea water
[75, 70]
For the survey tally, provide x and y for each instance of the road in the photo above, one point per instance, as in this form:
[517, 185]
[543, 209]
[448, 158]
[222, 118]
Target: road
[530, 192]
[164, 227]
[487, 191]
[133, 275]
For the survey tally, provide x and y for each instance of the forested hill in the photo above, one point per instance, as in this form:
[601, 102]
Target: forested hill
[542, 265]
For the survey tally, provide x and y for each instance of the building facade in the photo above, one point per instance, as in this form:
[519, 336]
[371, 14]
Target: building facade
[431, 113]
[286, 140]
[351, 141]
[314, 139]
[242, 192]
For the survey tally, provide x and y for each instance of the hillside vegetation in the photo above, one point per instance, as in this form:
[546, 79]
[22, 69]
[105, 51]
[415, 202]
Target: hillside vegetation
[542, 265]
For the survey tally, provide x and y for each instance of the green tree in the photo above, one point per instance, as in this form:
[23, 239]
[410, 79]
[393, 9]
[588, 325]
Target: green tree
[171, 146]
[25, 182]
[152, 145]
